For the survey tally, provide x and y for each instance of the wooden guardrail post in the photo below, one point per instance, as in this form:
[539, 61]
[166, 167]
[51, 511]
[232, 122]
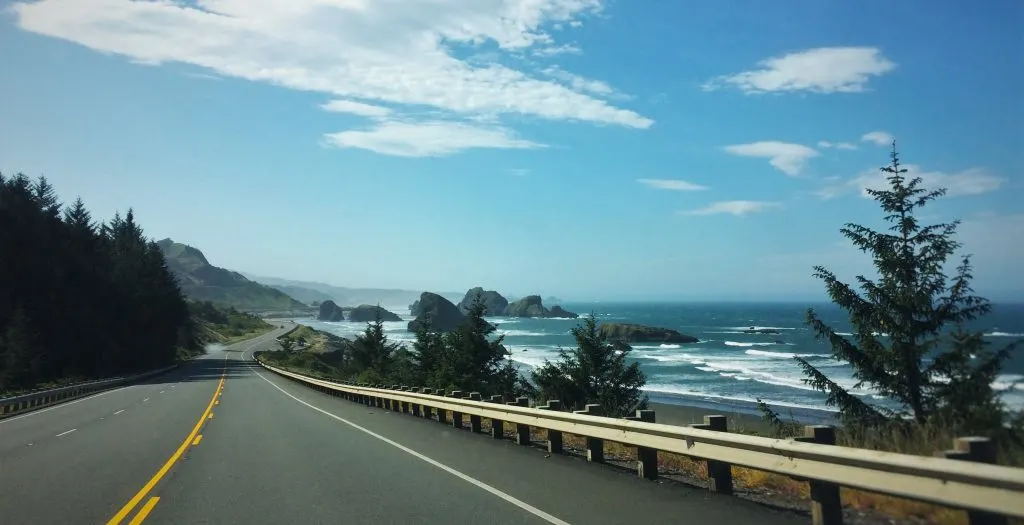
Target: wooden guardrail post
[474, 419]
[442, 414]
[456, 416]
[826, 506]
[497, 425]
[426, 410]
[595, 446]
[646, 458]
[981, 450]
[554, 436]
[522, 431]
[719, 472]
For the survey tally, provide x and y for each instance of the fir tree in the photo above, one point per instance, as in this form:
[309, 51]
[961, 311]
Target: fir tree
[910, 343]
[595, 371]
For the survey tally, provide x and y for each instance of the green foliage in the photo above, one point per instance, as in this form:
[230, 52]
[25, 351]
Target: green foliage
[593, 372]
[910, 343]
[371, 353]
[79, 299]
[287, 345]
[226, 323]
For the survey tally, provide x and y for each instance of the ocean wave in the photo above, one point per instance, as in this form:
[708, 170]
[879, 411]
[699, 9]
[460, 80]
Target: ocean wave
[705, 369]
[760, 328]
[662, 346]
[523, 333]
[748, 345]
[1003, 334]
[670, 389]
[782, 355]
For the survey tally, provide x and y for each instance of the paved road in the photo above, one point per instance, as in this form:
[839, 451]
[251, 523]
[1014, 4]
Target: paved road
[276, 452]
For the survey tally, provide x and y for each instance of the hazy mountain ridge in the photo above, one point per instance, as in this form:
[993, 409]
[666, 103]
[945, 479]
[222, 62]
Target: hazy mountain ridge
[203, 281]
[387, 297]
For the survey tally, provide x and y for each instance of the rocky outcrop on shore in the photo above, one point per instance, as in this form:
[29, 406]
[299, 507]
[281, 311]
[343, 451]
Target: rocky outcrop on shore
[367, 313]
[637, 333]
[494, 303]
[329, 311]
[533, 306]
[441, 313]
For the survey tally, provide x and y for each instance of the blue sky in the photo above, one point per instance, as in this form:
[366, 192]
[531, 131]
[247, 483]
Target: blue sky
[581, 148]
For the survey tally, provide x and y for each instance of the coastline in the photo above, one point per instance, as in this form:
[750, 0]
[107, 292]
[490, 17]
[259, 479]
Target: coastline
[743, 416]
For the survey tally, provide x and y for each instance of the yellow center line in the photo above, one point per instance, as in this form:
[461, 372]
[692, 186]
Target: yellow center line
[144, 511]
[121, 514]
[197, 440]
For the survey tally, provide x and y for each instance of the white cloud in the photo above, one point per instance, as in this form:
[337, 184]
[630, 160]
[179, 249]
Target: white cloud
[392, 52]
[428, 139]
[576, 23]
[882, 138]
[564, 49]
[787, 158]
[973, 181]
[737, 208]
[580, 83]
[824, 144]
[820, 70]
[671, 184]
[356, 108]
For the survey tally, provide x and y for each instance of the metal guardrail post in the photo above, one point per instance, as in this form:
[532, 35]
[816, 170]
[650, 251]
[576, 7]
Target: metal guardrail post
[646, 458]
[826, 506]
[719, 472]
[497, 425]
[981, 450]
[554, 436]
[456, 416]
[595, 446]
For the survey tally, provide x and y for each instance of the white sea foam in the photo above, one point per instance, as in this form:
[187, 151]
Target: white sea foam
[662, 346]
[781, 355]
[672, 389]
[1003, 334]
[748, 345]
[741, 328]
[523, 333]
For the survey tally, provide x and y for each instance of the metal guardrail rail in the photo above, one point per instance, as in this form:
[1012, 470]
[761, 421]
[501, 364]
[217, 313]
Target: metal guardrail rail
[989, 492]
[34, 400]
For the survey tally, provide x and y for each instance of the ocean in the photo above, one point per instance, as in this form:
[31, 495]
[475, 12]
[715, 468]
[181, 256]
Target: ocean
[728, 369]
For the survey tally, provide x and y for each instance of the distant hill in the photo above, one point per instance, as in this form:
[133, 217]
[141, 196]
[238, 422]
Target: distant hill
[203, 281]
[305, 295]
[387, 297]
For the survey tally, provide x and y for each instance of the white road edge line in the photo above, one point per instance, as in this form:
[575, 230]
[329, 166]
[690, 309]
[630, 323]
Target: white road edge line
[66, 432]
[480, 484]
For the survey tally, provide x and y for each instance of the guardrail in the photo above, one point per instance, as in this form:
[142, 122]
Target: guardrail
[34, 400]
[990, 493]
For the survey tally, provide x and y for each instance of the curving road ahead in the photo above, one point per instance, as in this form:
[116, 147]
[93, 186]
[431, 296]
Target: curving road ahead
[219, 440]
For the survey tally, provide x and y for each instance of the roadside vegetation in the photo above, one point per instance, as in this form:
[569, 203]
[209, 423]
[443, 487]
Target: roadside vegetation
[226, 325]
[81, 299]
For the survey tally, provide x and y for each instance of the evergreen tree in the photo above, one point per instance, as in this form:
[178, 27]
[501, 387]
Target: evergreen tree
[594, 372]
[910, 343]
[372, 352]
[475, 361]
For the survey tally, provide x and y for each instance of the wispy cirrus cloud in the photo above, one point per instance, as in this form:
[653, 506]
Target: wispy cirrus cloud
[881, 138]
[428, 139]
[785, 157]
[385, 53]
[671, 184]
[824, 144]
[737, 208]
[356, 108]
[973, 181]
[819, 70]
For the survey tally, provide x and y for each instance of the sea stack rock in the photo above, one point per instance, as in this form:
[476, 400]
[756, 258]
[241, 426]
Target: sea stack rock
[329, 311]
[442, 315]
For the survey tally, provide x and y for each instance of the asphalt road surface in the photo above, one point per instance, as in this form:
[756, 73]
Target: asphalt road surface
[219, 440]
